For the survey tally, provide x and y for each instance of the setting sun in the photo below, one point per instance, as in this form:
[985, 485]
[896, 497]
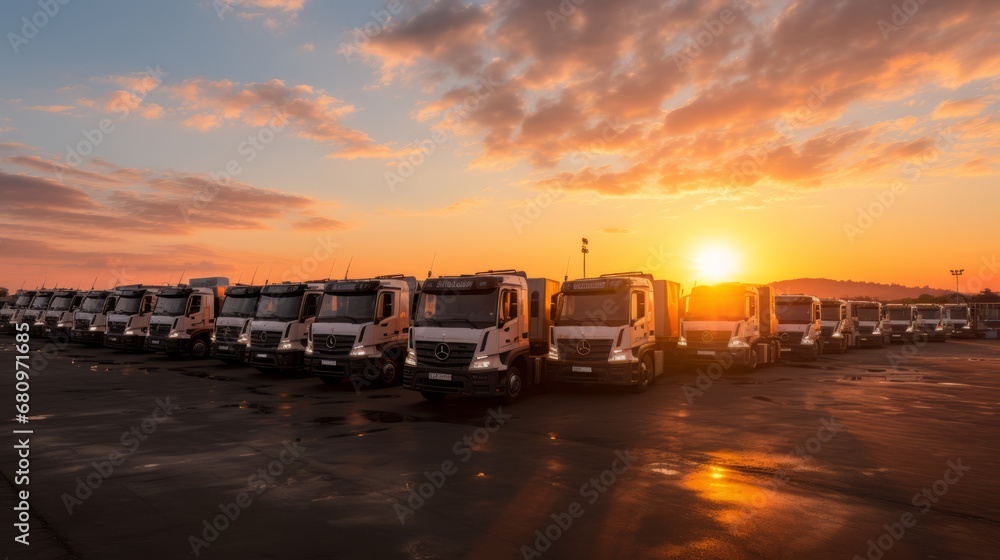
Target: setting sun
[715, 264]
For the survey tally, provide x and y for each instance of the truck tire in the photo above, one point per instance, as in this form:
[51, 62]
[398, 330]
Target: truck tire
[752, 358]
[200, 348]
[389, 373]
[514, 387]
[817, 351]
[432, 397]
[646, 374]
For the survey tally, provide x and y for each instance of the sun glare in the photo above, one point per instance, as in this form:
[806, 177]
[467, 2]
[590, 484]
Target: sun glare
[715, 264]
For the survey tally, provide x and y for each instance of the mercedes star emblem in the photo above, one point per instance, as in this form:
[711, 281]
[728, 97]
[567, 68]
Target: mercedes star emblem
[331, 341]
[442, 351]
[784, 337]
[706, 336]
[583, 348]
[263, 336]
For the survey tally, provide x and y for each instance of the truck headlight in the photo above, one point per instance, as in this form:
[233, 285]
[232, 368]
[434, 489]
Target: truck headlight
[837, 335]
[553, 353]
[737, 342]
[174, 334]
[876, 331]
[939, 328]
[285, 344]
[361, 350]
[309, 347]
[909, 329]
[620, 356]
[411, 358]
[213, 338]
[129, 332]
[92, 328]
[806, 340]
[682, 342]
[481, 362]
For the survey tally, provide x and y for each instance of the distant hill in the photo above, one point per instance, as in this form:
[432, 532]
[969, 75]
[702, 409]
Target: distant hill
[849, 289]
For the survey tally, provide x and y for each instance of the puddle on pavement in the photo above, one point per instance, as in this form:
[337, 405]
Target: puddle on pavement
[383, 396]
[257, 408]
[889, 378]
[358, 434]
[361, 417]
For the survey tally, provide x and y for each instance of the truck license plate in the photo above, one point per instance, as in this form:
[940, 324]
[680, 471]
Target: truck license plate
[786, 349]
[224, 347]
[154, 341]
[706, 352]
[260, 356]
[328, 362]
[440, 376]
[112, 339]
[582, 369]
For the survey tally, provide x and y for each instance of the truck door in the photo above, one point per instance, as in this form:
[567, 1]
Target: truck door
[509, 324]
[638, 320]
[196, 311]
[386, 321]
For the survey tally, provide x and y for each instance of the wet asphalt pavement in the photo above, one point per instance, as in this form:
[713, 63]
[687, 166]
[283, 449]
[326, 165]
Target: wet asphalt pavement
[820, 460]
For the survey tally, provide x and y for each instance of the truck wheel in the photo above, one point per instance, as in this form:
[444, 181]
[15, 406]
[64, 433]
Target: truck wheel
[752, 358]
[432, 397]
[389, 373]
[816, 351]
[200, 348]
[514, 388]
[646, 375]
[843, 346]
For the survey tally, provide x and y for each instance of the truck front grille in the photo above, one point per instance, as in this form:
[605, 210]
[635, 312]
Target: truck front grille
[116, 327]
[585, 349]
[229, 333]
[707, 339]
[270, 342]
[160, 330]
[342, 344]
[455, 354]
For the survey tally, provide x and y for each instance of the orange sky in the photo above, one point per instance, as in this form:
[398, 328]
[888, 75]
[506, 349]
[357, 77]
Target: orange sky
[788, 139]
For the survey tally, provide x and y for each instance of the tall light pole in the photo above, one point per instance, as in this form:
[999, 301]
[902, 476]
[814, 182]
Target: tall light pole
[956, 274]
[584, 250]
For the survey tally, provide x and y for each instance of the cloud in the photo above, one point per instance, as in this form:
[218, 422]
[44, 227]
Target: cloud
[309, 112]
[615, 230]
[50, 108]
[318, 223]
[653, 97]
[963, 107]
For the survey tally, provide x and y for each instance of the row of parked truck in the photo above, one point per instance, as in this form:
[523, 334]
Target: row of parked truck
[490, 334]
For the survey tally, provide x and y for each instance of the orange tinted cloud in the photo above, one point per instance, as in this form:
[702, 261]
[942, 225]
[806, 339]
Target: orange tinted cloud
[641, 97]
[963, 107]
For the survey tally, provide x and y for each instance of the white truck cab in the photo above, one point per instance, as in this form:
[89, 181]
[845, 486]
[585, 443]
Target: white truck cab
[901, 321]
[34, 315]
[9, 315]
[58, 318]
[617, 329]
[958, 320]
[278, 333]
[868, 317]
[930, 321]
[483, 334]
[799, 326]
[361, 330]
[184, 317]
[91, 319]
[129, 321]
[237, 311]
[838, 332]
[729, 323]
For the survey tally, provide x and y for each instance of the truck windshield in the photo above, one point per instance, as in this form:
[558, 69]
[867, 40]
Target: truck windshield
[794, 312]
[23, 301]
[61, 303]
[830, 313]
[899, 314]
[235, 306]
[279, 308]
[476, 309]
[959, 313]
[170, 305]
[868, 314]
[933, 313]
[128, 305]
[593, 309]
[347, 308]
[40, 302]
[716, 306]
[92, 304]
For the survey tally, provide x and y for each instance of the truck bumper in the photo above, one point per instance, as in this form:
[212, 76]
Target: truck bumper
[169, 346]
[797, 350]
[600, 373]
[486, 383]
[339, 368]
[713, 355]
[286, 361]
[903, 336]
[128, 343]
[36, 330]
[963, 333]
[871, 340]
[230, 351]
[87, 337]
[935, 335]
